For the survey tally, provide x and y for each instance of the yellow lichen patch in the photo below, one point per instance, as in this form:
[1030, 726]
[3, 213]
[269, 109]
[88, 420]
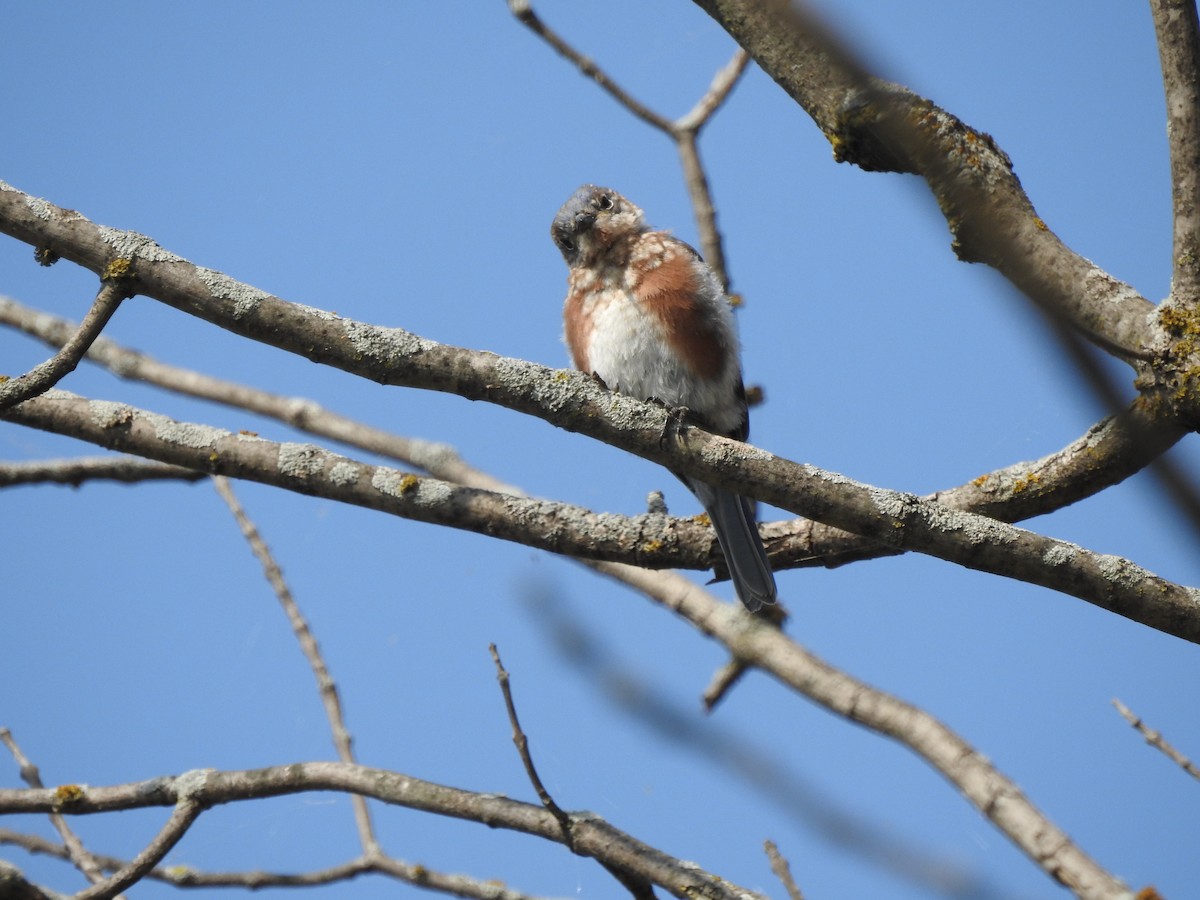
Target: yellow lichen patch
[980, 481]
[702, 519]
[117, 269]
[1039, 224]
[1025, 482]
[68, 793]
[652, 546]
[409, 483]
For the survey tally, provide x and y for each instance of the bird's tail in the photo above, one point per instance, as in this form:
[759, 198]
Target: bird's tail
[733, 519]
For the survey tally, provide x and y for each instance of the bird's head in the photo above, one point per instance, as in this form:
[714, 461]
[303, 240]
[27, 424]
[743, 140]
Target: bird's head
[591, 220]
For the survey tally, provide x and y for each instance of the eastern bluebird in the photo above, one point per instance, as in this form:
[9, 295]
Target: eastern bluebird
[649, 318]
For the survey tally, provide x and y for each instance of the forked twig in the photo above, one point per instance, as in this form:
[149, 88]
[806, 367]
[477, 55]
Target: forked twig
[79, 855]
[682, 131]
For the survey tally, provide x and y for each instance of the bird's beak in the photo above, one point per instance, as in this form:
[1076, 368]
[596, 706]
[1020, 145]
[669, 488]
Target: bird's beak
[584, 221]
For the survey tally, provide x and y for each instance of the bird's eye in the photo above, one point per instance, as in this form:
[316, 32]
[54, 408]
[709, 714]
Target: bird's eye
[566, 243]
[604, 202]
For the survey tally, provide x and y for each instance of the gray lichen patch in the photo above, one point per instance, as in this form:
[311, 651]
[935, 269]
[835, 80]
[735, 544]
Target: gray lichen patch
[384, 345]
[343, 473]
[301, 460]
[185, 434]
[1061, 554]
[245, 298]
[131, 245]
[105, 413]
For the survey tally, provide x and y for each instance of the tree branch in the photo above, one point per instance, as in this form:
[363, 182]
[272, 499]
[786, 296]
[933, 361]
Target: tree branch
[186, 811]
[1178, 32]
[683, 131]
[896, 520]
[1109, 452]
[73, 847]
[75, 472]
[183, 876]
[594, 837]
[884, 127]
[49, 373]
[1156, 740]
[989, 790]
[326, 686]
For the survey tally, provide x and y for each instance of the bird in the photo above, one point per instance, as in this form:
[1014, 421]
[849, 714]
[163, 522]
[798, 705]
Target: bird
[647, 316]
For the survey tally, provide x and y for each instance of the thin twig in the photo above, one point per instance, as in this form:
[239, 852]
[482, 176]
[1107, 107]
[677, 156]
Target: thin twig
[522, 744]
[1178, 33]
[779, 865]
[682, 131]
[79, 855]
[185, 813]
[718, 92]
[184, 876]
[342, 740]
[524, 12]
[1155, 739]
[722, 683]
[298, 412]
[45, 375]
[128, 469]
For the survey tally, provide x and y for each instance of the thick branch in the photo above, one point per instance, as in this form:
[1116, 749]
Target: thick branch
[593, 837]
[883, 127]
[1108, 453]
[1178, 32]
[893, 519]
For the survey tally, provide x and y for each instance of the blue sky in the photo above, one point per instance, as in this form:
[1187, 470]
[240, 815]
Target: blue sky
[400, 164]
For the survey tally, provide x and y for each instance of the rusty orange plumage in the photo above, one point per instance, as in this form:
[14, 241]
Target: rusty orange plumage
[647, 316]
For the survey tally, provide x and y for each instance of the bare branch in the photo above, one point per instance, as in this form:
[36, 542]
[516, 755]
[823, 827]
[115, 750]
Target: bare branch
[718, 92]
[531, 20]
[298, 412]
[326, 686]
[1178, 32]
[1155, 739]
[1106, 454]
[593, 836]
[76, 852]
[49, 373]
[896, 520]
[15, 886]
[884, 127]
[522, 744]
[991, 792]
[75, 472]
[782, 870]
[183, 876]
[185, 813]
[683, 131]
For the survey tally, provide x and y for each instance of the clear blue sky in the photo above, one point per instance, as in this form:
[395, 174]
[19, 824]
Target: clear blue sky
[400, 164]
